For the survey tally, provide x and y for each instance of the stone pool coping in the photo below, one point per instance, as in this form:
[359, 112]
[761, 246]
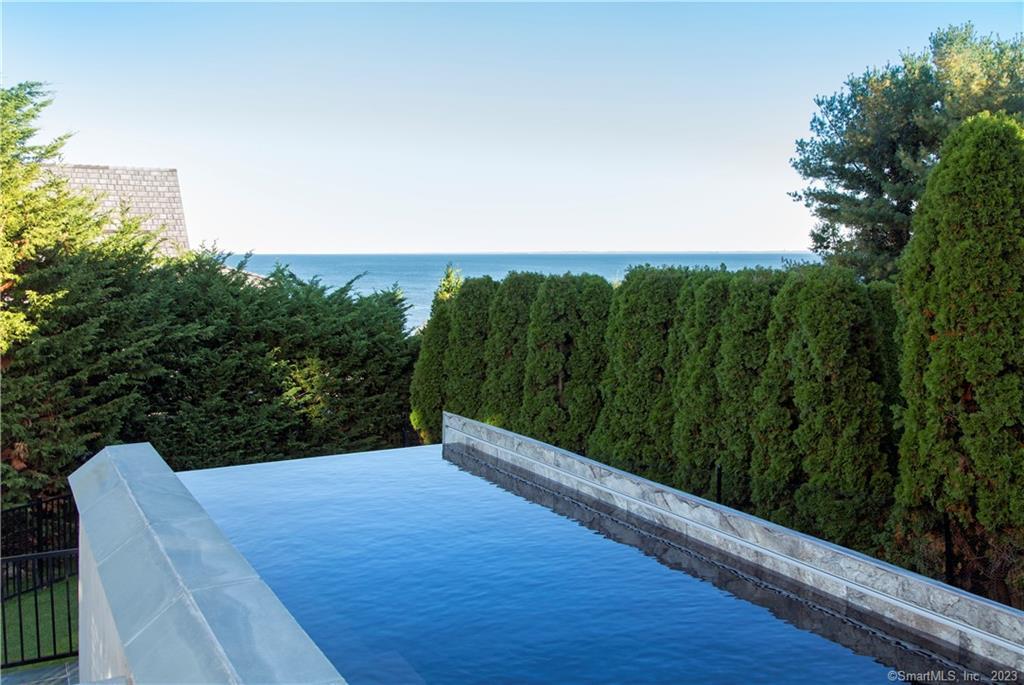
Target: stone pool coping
[971, 630]
[164, 596]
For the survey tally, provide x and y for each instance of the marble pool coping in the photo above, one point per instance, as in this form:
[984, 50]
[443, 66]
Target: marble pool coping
[971, 630]
[164, 597]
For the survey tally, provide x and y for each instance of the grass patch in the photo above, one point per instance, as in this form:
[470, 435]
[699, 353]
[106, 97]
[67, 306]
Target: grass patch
[54, 637]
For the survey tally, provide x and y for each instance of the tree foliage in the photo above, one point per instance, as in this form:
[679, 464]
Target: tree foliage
[873, 143]
[634, 428]
[464, 365]
[105, 342]
[565, 358]
[696, 430]
[427, 391]
[961, 296]
[505, 351]
[742, 357]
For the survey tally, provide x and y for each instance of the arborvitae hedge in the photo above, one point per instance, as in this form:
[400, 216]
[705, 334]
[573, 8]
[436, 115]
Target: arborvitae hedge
[634, 428]
[696, 437]
[427, 391]
[961, 295]
[842, 435]
[775, 470]
[742, 357]
[505, 351]
[565, 359]
[464, 365]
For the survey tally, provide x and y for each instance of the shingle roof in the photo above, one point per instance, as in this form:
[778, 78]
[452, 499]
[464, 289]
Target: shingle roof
[152, 195]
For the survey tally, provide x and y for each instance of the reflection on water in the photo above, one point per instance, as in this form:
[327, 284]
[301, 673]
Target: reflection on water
[677, 552]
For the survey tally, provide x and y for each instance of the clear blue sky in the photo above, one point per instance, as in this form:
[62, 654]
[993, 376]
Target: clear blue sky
[464, 127]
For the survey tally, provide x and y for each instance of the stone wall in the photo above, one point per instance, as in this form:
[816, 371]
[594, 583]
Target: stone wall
[152, 195]
[967, 629]
[164, 597]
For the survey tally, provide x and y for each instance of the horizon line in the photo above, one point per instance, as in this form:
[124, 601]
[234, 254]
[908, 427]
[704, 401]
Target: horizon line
[518, 252]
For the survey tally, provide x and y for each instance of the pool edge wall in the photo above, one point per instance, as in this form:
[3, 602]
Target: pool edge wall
[164, 596]
[980, 634]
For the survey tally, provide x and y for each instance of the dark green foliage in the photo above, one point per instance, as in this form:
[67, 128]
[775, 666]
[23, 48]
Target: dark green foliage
[276, 368]
[741, 361]
[961, 296]
[823, 448]
[696, 434]
[874, 142]
[634, 431]
[427, 392]
[775, 471]
[565, 359]
[505, 352]
[842, 435]
[77, 382]
[103, 342]
[464, 365]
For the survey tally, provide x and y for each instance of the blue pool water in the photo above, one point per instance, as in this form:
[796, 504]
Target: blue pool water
[418, 274]
[404, 568]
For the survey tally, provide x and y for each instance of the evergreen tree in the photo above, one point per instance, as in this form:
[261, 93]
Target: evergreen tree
[842, 434]
[464, 365]
[427, 392]
[634, 431]
[696, 432]
[742, 358]
[565, 358]
[505, 353]
[875, 141]
[961, 298]
[775, 471]
[78, 326]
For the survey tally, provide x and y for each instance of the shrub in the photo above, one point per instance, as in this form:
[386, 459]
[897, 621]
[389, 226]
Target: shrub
[427, 391]
[842, 434]
[635, 425]
[775, 470]
[565, 358]
[961, 297]
[464, 365]
[696, 435]
[505, 352]
[77, 325]
[742, 357]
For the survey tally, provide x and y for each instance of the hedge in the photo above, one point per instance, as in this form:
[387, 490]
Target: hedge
[505, 350]
[465, 368]
[742, 357]
[961, 297]
[696, 433]
[565, 359]
[427, 390]
[634, 429]
[842, 437]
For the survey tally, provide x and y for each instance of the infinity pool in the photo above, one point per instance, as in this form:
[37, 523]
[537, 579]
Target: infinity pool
[407, 568]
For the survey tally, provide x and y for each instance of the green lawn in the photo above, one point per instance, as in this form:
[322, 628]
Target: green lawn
[45, 645]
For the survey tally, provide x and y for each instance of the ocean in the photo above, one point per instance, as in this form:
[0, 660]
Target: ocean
[418, 274]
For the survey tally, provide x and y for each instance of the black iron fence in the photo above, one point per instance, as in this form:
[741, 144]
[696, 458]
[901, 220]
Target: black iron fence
[42, 525]
[39, 581]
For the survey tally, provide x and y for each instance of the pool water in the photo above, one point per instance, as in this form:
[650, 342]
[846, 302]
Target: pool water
[405, 568]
